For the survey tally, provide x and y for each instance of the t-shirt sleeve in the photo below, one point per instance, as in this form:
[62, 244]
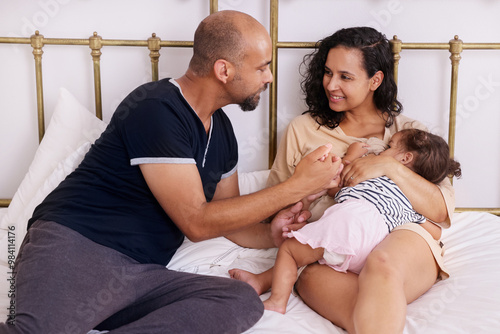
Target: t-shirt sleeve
[154, 132]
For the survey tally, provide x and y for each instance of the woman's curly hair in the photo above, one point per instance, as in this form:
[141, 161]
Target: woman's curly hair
[377, 56]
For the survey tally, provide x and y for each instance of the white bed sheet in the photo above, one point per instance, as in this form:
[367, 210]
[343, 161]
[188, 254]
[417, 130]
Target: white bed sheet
[467, 302]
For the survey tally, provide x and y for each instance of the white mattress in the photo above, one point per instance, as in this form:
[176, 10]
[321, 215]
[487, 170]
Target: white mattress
[467, 302]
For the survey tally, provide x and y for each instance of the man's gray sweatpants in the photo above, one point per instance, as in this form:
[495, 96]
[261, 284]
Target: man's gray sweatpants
[66, 283]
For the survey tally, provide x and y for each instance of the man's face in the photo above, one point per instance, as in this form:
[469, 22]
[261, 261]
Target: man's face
[253, 73]
[252, 101]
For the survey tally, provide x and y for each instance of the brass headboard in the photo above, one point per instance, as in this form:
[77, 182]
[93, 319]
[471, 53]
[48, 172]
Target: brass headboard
[154, 44]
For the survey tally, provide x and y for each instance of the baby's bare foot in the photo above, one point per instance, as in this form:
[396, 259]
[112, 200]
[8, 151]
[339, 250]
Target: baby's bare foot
[273, 306]
[247, 277]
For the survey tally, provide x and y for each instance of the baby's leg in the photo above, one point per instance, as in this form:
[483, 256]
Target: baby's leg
[291, 255]
[259, 282]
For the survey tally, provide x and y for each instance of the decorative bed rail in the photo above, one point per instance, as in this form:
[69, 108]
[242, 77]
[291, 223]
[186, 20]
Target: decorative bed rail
[154, 44]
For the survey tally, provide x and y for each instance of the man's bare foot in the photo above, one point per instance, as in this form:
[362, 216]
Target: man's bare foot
[247, 277]
[272, 306]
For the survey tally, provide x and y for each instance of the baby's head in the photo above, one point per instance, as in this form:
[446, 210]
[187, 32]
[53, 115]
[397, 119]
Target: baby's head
[425, 153]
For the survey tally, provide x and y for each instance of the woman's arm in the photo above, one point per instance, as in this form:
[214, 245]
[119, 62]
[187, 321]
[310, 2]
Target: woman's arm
[425, 197]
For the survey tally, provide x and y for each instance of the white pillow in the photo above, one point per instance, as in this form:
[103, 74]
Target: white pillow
[70, 127]
[71, 131]
[250, 182]
[12, 238]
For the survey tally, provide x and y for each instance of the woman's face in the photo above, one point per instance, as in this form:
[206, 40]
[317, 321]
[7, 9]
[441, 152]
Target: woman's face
[345, 80]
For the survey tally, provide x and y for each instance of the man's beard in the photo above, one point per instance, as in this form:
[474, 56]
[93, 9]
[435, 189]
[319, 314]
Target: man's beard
[252, 101]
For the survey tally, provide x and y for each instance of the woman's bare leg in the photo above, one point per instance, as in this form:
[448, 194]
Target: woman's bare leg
[291, 255]
[399, 270]
[330, 293]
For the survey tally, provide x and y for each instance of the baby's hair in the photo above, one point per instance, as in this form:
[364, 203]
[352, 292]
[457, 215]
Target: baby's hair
[432, 160]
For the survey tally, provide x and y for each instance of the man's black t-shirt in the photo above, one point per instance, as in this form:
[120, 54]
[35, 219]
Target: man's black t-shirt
[106, 198]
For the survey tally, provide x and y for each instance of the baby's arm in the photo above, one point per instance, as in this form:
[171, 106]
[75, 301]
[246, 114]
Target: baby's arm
[354, 151]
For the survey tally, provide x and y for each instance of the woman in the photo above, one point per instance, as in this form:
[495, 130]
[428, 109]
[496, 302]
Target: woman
[351, 95]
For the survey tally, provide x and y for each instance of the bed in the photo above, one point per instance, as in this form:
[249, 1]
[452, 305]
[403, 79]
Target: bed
[468, 302]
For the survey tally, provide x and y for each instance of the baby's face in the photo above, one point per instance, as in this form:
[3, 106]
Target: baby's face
[395, 149]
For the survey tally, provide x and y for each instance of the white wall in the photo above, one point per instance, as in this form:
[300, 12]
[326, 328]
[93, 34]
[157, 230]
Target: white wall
[424, 75]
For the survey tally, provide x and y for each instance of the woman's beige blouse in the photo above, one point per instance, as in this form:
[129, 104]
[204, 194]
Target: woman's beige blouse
[303, 135]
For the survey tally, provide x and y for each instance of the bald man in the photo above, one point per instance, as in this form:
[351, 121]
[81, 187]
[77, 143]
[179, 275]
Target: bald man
[164, 169]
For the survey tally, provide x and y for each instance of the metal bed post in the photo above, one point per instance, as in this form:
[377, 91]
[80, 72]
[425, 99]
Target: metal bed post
[396, 46]
[37, 45]
[154, 53]
[214, 6]
[273, 88]
[455, 50]
[95, 44]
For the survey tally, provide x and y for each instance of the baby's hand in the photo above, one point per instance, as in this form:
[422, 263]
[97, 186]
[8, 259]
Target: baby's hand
[286, 230]
[332, 192]
[354, 151]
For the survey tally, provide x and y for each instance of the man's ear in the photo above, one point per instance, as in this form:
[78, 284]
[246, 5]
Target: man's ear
[407, 158]
[376, 80]
[223, 70]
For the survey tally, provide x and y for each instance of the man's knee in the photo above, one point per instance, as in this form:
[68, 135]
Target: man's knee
[232, 291]
[243, 292]
[242, 303]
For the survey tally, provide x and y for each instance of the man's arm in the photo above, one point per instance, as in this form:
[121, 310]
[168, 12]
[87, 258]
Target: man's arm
[179, 190]
[257, 235]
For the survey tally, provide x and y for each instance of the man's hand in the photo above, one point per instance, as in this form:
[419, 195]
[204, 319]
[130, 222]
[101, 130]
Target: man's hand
[318, 171]
[308, 200]
[292, 216]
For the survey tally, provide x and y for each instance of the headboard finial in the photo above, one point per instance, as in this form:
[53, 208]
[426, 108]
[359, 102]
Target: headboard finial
[154, 48]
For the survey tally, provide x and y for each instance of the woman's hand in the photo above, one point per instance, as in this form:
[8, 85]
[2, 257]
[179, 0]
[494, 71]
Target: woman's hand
[368, 167]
